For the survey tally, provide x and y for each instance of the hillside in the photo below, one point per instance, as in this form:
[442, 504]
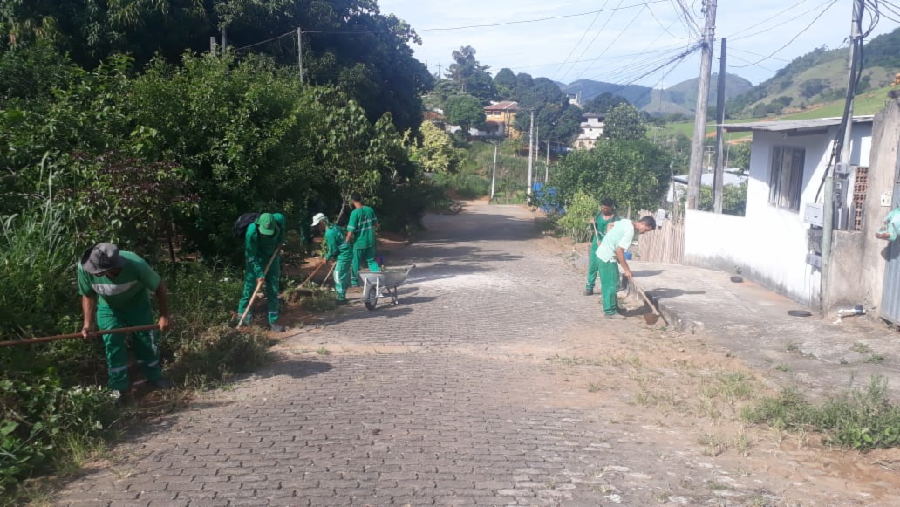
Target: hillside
[679, 98]
[817, 77]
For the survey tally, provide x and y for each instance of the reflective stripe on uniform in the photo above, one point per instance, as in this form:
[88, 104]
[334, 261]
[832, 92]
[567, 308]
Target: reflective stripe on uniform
[117, 369]
[111, 289]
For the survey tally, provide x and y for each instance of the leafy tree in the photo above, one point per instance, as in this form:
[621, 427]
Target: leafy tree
[524, 84]
[465, 111]
[505, 83]
[633, 173]
[603, 103]
[623, 123]
[739, 156]
[370, 58]
[435, 153]
[470, 75]
[734, 199]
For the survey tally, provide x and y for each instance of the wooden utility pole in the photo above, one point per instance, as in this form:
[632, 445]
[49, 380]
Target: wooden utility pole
[693, 189]
[224, 39]
[719, 178]
[300, 52]
[530, 155]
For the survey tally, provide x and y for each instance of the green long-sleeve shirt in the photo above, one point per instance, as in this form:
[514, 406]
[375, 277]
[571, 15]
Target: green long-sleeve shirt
[258, 248]
[335, 243]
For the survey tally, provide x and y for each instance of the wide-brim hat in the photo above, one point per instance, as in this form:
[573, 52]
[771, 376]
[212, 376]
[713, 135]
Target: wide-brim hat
[101, 257]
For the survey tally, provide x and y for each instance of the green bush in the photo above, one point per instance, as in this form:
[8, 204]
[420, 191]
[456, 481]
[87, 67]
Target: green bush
[217, 354]
[855, 419]
[576, 221]
[37, 414]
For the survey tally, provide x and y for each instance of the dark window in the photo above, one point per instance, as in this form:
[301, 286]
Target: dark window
[786, 177]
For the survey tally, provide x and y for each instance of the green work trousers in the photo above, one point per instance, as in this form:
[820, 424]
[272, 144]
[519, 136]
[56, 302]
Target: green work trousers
[609, 283]
[271, 288]
[342, 268]
[363, 256]
[143, 344]
[593, 265]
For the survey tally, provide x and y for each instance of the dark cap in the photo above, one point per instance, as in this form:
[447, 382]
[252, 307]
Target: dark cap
[101, 257]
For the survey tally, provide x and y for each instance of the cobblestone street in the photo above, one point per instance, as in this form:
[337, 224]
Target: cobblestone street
[494, 382]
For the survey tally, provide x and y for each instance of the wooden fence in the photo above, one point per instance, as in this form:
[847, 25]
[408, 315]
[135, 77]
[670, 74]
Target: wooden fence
[664, 245]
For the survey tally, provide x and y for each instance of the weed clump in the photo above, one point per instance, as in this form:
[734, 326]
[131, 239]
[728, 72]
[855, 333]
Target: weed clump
[858, 419]
[217, 354]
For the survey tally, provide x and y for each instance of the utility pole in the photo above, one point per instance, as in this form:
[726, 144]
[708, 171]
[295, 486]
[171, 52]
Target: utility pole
[300, 52]
[547, 168]
[212, 46]
[693, 189]
[530, 155]
[439, 72]
[224, 39]
[494, 172]
[844, 164]
[719, 178]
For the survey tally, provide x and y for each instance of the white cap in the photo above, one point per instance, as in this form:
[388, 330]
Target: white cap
[318, 218]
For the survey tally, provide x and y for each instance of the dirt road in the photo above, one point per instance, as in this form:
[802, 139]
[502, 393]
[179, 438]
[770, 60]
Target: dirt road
[494, 382]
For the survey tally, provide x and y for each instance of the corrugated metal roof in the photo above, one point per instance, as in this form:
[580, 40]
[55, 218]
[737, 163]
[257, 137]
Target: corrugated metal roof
[786, 125]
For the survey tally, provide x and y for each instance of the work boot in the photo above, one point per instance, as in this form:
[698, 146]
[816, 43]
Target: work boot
[588, 292]
[160, 383]
[277, 328]
[613, 316]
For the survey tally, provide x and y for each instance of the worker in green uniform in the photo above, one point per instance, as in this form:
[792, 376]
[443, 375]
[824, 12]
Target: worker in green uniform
[262, 239]
[361, 234]
[338, 251]
[612, 249]
[114, 289]
[599, 226]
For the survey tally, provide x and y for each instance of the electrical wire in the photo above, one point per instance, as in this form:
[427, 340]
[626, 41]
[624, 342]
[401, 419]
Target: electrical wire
[748, 62]
[617, 37]
[500, 23]
[658, 22]
[688, 18]
[614, 57]
[795, 37]
[583, 35]
[769, 28]
[292, 32]
[731, 48]
[597, 35]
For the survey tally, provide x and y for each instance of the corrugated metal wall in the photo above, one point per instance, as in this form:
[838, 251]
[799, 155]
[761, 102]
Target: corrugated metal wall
[890, 302]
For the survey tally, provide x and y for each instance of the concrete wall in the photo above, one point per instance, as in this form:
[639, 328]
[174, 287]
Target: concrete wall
[772, 254]
[770, 244]
[882, 172]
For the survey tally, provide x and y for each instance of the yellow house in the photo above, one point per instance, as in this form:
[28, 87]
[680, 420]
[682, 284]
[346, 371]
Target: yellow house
[500, 119]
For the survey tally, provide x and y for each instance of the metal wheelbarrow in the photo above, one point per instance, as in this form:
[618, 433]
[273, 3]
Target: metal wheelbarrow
[374, 283]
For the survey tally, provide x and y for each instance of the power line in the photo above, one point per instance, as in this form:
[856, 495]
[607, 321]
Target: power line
[583, 35]
[666, 29]
[767, 20]
[691, 23]
[500, 23]
[614, 57]
[600, 31]
[772, 27]
[292, 32]
[736, 57]
[801, 32]
[730, 49]
[618, 36]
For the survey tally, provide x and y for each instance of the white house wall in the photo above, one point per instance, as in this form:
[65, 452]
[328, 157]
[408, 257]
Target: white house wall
[770, 245]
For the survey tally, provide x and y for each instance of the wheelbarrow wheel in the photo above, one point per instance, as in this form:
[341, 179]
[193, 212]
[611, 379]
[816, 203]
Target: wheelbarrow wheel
[370, 297]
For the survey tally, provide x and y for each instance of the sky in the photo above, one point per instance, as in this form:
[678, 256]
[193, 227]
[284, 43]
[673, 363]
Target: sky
[627, 38]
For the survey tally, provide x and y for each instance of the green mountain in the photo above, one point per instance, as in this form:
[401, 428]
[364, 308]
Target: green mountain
[679, 98]
[682, 97]
[817, 77]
